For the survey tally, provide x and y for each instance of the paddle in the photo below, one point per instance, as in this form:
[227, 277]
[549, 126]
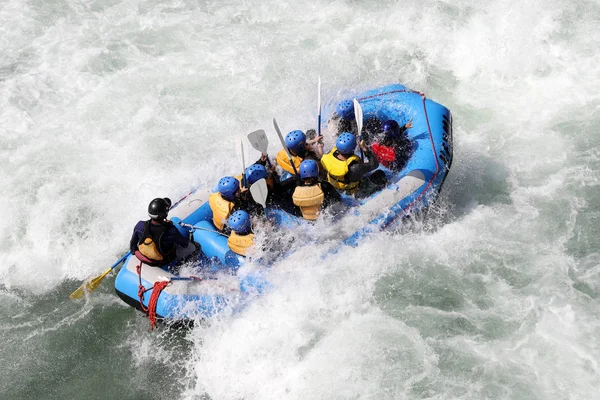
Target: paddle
[91, 285]
[285, 148]
[358, 114]
[260, 191]
[258, 139]
[319, 107]
[240, 151]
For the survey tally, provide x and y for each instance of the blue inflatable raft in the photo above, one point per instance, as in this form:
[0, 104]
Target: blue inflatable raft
[223, 287]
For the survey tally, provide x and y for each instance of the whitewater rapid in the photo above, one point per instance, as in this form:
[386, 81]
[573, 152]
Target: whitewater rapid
[107, 104]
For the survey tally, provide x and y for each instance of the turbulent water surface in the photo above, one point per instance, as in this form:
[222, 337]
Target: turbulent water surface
[107, 104]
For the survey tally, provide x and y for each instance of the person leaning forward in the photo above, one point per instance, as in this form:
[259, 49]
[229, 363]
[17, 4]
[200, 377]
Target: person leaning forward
[346, 170]
[300, 149]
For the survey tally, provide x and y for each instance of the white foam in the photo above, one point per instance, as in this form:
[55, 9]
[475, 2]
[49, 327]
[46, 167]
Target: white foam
[106, 105]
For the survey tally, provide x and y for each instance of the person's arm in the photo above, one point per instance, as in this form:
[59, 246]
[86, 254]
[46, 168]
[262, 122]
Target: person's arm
[331, 195]
[135, 238]
[316, 146]
[263, 160]
[357, 170]
[178, 238]
[406, 127]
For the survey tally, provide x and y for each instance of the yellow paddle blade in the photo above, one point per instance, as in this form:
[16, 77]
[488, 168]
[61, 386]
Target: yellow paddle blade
[89, 286]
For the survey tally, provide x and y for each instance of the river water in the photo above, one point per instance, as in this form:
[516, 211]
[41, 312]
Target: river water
[107, 104]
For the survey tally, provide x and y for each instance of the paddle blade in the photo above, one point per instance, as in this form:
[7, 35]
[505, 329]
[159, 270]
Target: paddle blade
[258, 139]
[259, 191]
[358, 113]
[280, 136]
[89, 286]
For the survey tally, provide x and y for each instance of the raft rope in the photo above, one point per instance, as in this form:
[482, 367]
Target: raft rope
[157, 288]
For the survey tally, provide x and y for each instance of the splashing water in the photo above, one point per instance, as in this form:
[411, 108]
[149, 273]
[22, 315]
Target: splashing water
[107, 104]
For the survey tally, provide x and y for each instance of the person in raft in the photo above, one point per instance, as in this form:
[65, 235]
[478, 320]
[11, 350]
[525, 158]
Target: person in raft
[252, 174]
[346, 170]
[344, 120]
[241, 238]
[393, 148]
[154, 241]
[226, 200]
[300, 149]
[312, 195]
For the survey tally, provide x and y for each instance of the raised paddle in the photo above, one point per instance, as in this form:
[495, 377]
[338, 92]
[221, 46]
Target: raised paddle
[285, 147]
[259, 191]
[358, 114]
[240, 151]
[258, 139]
[91, 285]
[319, 107]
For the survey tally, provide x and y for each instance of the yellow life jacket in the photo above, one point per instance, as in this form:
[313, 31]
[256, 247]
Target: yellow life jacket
[284, 161]
[337, 170]
[221, 209]
[309, 199]
[148, 246]
[239, 244]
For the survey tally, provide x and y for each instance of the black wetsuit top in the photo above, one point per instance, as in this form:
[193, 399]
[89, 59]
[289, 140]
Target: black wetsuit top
[165, 237]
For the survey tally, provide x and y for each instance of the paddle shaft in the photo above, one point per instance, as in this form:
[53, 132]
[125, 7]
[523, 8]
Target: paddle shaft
[241, 147]
[91, 285]
[285, 147]
[319, 108]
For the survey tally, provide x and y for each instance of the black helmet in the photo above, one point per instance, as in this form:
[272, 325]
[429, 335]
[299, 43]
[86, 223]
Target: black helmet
[159, 208]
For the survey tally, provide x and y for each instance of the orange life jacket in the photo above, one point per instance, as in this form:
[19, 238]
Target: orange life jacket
[240, 244]
[309, 199]
[221, 209]
[284, 162]
[149, 245]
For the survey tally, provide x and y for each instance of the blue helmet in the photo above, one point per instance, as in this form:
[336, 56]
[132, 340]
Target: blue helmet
[391, 128]
[309, 169]
[295, 141]
[255, 172]
[239, 222]
[346, 143]
[228, 185]
[345, 109]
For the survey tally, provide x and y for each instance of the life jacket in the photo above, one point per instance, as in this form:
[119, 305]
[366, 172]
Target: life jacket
[338, 169]
[239, 178]
[309, 199]
[386, 155]
[239, 244]
[149, 246]
[284, 161]
[221, 209]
